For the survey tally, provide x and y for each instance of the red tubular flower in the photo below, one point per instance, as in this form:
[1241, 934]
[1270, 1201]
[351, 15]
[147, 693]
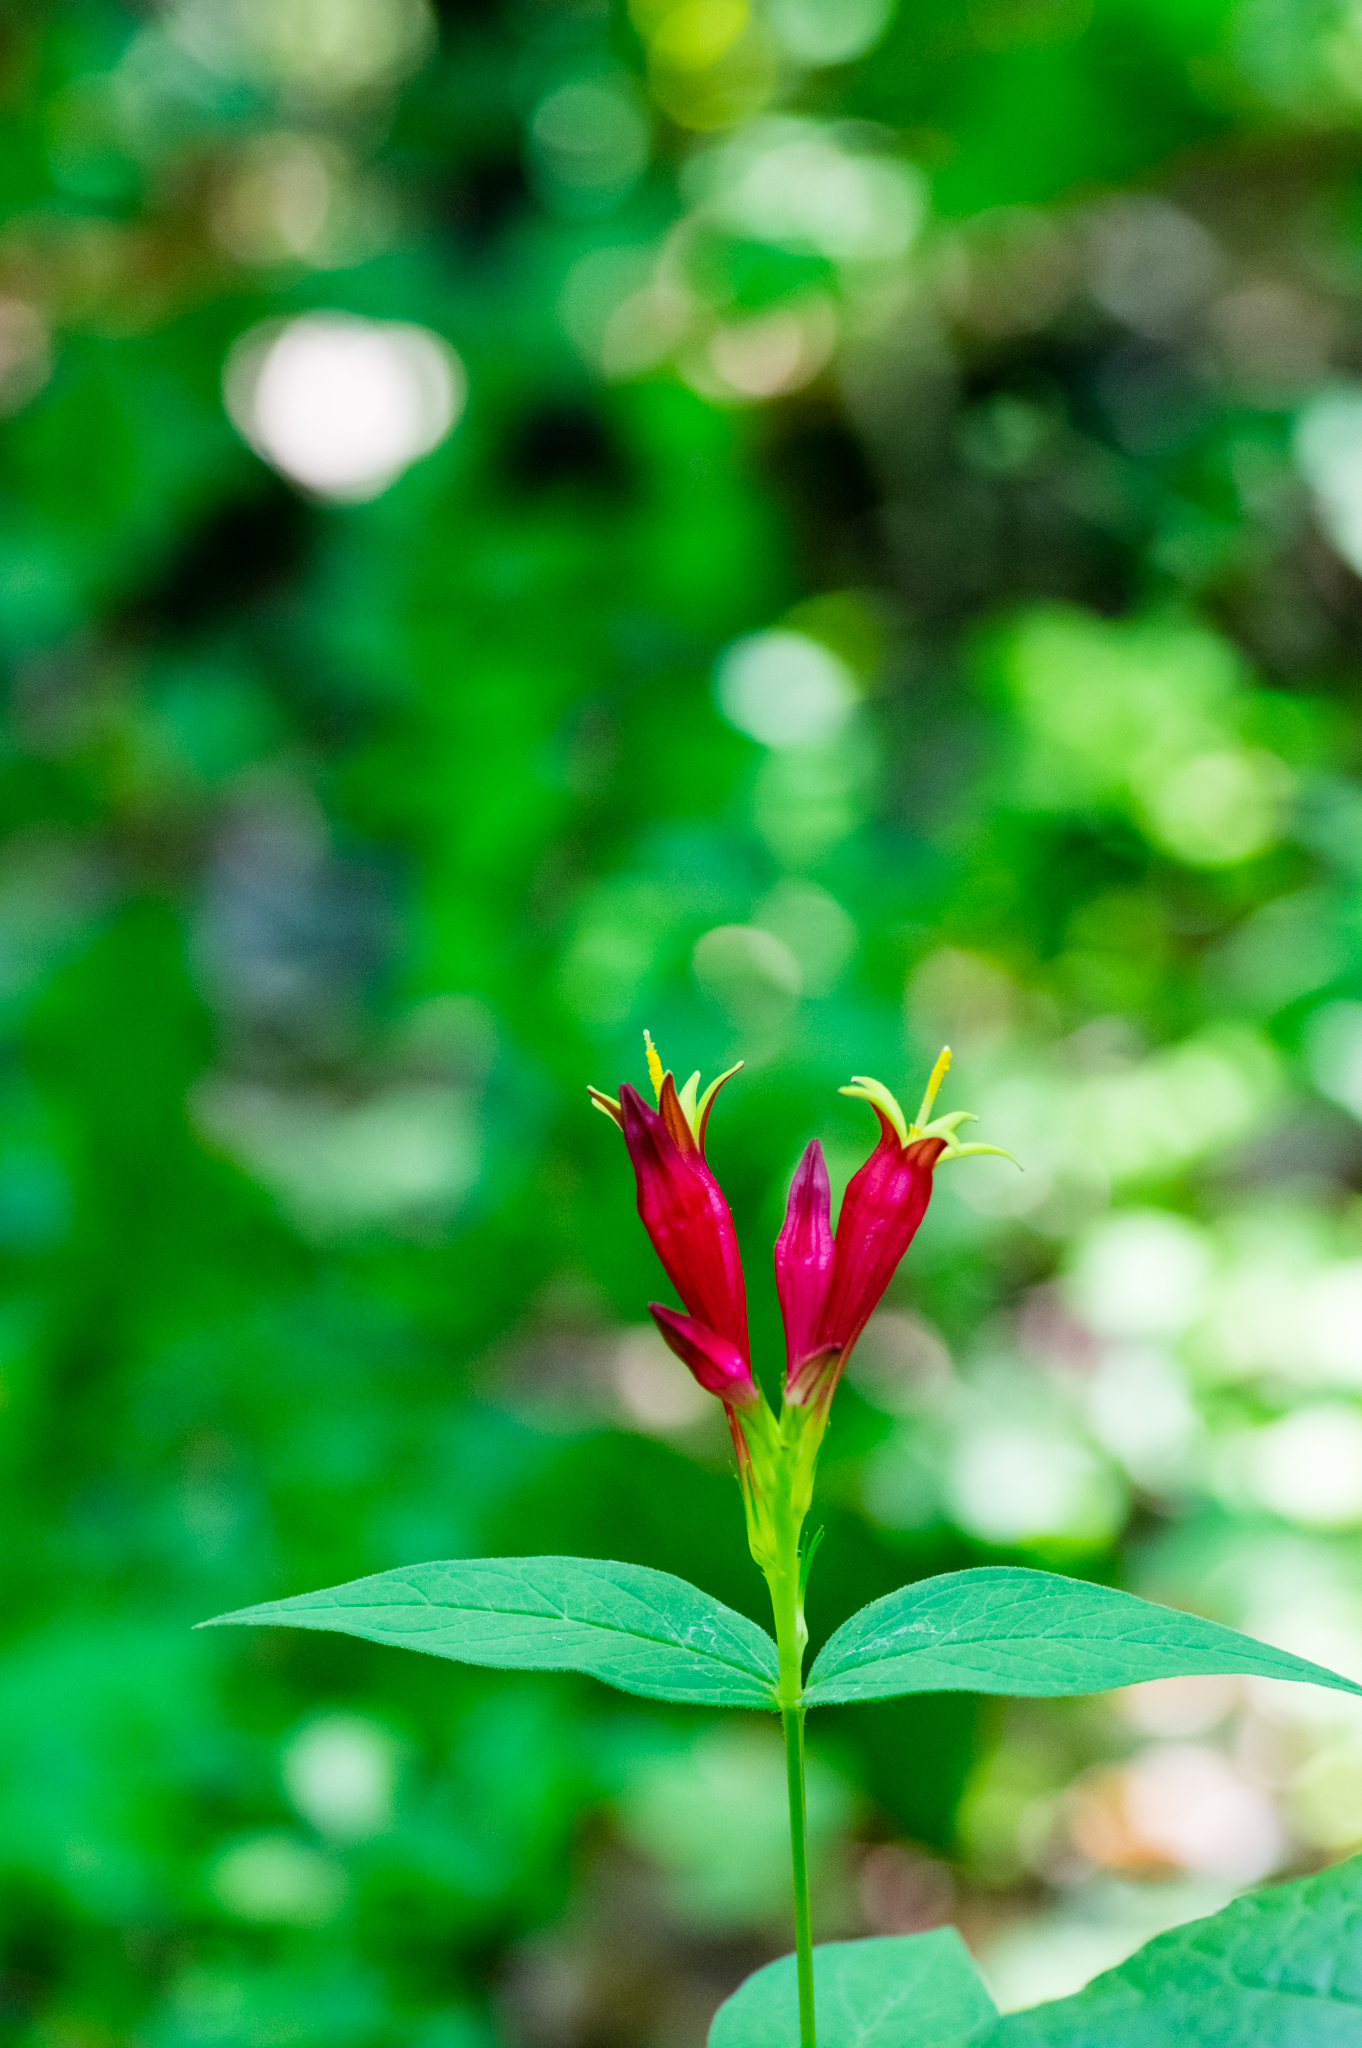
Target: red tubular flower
[688, 1220]
[686, 1216]
[804, 1263]
[828, 1287]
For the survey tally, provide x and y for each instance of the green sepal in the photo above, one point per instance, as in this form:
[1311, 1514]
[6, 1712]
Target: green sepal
[806, 1561]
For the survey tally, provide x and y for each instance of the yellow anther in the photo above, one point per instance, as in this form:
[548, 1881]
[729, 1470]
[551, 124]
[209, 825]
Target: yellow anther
[655, 1073]
[939, 1071]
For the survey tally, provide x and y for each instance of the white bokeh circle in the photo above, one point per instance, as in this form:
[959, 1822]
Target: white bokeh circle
[340, 404]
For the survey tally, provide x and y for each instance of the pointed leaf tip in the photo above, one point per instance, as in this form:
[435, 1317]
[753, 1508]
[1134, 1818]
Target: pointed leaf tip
[1007, 1629]
[643, 1631]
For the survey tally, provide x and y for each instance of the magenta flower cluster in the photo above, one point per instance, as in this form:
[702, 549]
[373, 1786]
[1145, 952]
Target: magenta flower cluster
[828, 1284]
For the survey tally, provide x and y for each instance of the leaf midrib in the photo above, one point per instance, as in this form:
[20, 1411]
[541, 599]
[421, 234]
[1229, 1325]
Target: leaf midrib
[606, 1627]
[859, 1658]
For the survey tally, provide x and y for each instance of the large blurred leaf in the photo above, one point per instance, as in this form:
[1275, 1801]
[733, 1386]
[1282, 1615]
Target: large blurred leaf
[904, 1991]
[1279, 1969]
[643, 1631]
[1005, 1629]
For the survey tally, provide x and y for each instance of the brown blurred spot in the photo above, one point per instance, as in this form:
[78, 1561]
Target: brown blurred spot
[903, 1891]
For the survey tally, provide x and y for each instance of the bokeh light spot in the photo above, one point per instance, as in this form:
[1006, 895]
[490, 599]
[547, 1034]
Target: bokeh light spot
[340, 404]
[321, 49]
[340, 1772]
[699, 32]
[750, 973]
[278, 1881]
[1021, 1483]
[590, 141]
[1142, 1274]
[1308, 1466]
[1218, 808]
[818, 32]
[1328, 446]
[784, 689]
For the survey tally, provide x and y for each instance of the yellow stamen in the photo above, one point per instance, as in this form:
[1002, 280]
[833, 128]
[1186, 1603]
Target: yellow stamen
[939, 1071]
[655, 1073]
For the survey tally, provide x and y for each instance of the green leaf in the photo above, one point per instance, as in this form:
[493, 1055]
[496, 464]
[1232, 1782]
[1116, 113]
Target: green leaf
[643, 1631]
[1004, 1629]
[1279, 1969]
[904, 1991]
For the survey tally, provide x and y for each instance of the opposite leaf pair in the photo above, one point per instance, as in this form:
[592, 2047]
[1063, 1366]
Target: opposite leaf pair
[1280, 1970]
[998, 1629]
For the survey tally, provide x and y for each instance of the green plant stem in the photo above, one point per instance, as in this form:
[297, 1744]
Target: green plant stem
[793, 1718]
[790, 1640]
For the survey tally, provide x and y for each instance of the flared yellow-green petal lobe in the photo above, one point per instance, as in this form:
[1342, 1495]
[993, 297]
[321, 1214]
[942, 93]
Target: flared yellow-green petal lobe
[972, 1151]
[706, 1102]
[607, 1106]
[878, 1096]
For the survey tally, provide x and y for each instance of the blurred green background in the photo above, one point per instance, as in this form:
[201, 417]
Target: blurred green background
[814, 527]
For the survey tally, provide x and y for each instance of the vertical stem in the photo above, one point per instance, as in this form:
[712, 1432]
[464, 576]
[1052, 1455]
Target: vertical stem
[777, 1482]
[793, 1718]
[790, 1640]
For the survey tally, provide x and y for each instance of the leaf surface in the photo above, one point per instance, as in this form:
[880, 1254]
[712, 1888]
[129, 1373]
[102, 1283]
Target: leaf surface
[641, 1630]
[900, 1991]
[1005, 1629]
[1280, 1968]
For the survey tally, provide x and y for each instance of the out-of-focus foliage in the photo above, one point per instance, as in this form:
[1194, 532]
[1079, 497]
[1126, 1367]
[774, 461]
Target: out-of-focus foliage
[815, 527]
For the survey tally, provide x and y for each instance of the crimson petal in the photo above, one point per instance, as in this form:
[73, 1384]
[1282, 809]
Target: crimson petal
[687, 1218]
[718, 1365]
[883, 1206]
[804, 1260]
